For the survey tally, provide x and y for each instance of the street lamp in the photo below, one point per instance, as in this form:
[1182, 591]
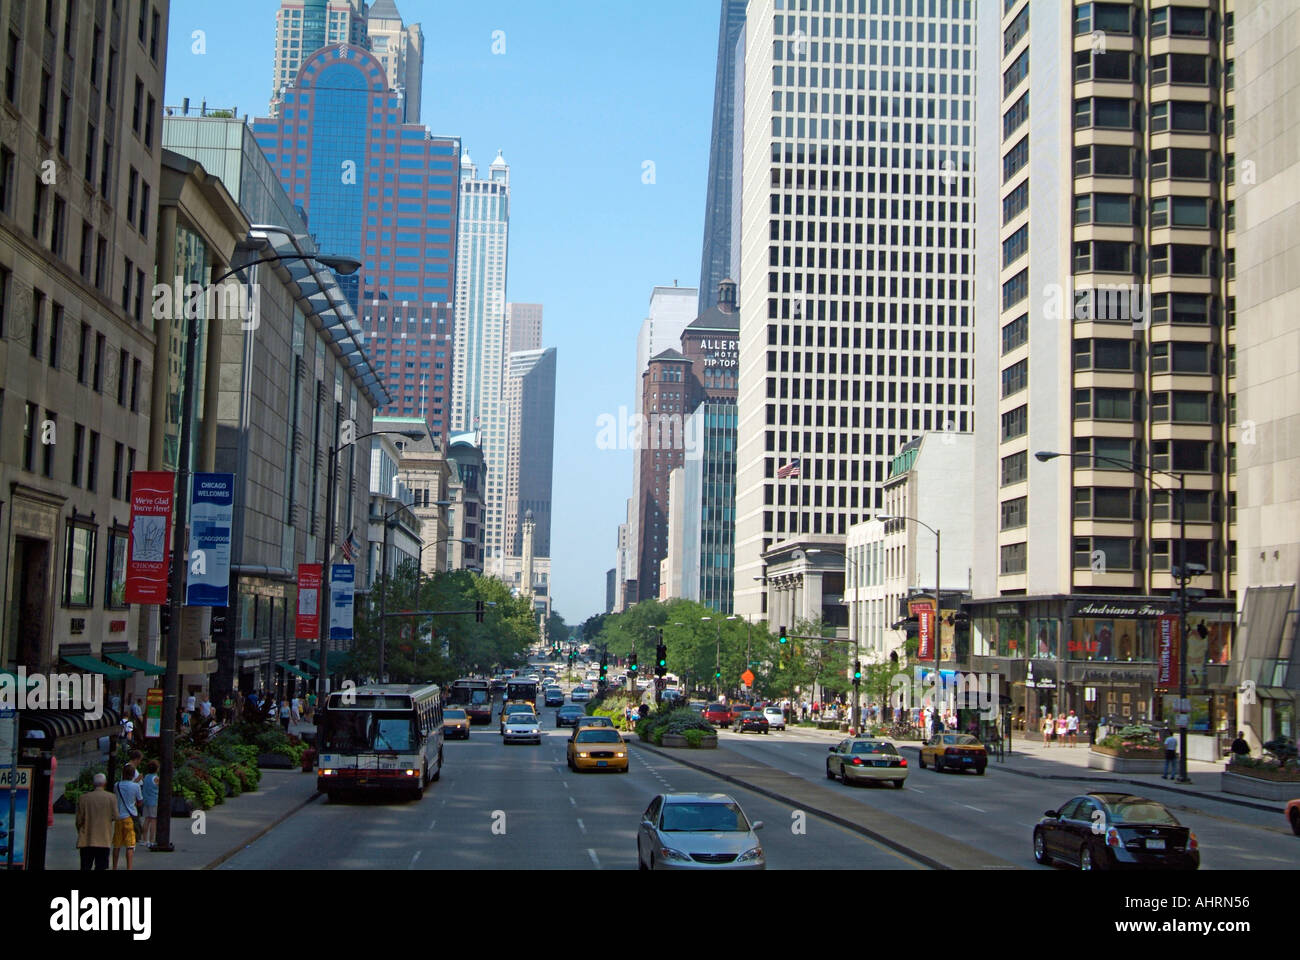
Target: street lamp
[1183, 575]
[717, 668]
[749, 637]
[254, 241]
[857, 683]
[938, 601]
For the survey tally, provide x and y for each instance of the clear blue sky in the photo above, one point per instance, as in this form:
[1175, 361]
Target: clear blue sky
[584, 94]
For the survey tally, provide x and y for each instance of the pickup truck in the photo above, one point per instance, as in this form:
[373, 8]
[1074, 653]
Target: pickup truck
[718, 714]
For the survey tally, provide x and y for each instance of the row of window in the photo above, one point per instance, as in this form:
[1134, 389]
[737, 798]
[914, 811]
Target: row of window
[80, 548]
[1119, 453]
[40, 430]
[1124, 555]
[1123, 19]
[1166, 259]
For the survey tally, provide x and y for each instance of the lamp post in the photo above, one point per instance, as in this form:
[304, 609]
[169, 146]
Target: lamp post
[1183, 575]
[176, 578]
[717, 654]
[938, 601]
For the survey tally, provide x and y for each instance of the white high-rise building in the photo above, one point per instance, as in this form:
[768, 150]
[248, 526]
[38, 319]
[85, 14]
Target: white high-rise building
[857, 243]
[479, 362]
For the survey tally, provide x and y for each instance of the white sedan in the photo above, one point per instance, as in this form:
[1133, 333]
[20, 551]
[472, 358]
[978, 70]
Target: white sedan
[522, 728]
[775, 718]
[579, 695]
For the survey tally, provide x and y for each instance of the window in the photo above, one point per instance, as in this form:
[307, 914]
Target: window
[1107, 17]
[154, 27]
[98, 379]
[1103, 256]
[8, 169]
[1014, 513]
[1178, 357]
[1103, 66]
[79, 566]
[1015, 289]
[126, 284]
[1114, 113]
[132, 188]
[64, 106]
[1015, 74]
[1190, 308]
[1103, 503]
[140, 25]
[105, 168]
[31, 428]
[13, 62]
[115, 570]
[38, 319]
[1012, 558]
[135, 386]
[1181, 259]
[59, 226]
[1015, 246]
[1185, 456]
[1181, 212]
[1103, 453]
[137, 106]
[1015, 333]
[1015, 159]
[43, 116]
[1015, 468]
[92, 462]
[4, 299]
[1015, 117]
[1015, 30]
[78, 442]
[1103, 403]
[1103, 160]
[1103, 354]
[1104, 208]
[1015, 378]
[56, 336]
[148, 123]
[47, 453]
[123, 366]
[1181, 164]
[144, 209]
[1015, 202]
[1179, 22]
[87, 249]
[1015, 423]
[119, 476]
[1103, 554]
[1181, 116]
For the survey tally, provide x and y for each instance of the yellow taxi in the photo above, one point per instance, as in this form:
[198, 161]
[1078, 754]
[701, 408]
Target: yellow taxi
[455, 723]
[514, 706]
[597, 748]
[954, 751]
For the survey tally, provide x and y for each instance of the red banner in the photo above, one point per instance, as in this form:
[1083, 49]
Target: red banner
[308, 619]
[923, 610]
[148, 551]
[1167, 651]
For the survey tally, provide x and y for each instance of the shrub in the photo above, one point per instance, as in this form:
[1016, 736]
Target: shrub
[694, 737]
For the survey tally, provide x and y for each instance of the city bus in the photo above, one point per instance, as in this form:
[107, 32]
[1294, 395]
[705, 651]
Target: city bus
[475, 696]
[380, 737]
[521, 690]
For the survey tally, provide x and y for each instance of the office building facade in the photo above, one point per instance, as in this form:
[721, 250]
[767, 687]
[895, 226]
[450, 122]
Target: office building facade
[530, 408]
[400, 48]
[304, 26]
[857, 259]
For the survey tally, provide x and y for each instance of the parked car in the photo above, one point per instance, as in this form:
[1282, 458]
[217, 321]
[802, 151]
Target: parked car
[954, 751]
[775, 718]
[1293, 815]
[1104, 831]
[858, 759]
[718, 714]
[751, 720]
[697, 831]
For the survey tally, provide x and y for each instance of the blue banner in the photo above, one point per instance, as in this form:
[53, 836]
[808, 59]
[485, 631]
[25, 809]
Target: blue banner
[342, 585]
[212, 509]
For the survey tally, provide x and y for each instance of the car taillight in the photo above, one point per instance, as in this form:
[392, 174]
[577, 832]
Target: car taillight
[902, 762]
[857, 761]
[1112, 838]
[1192, 843]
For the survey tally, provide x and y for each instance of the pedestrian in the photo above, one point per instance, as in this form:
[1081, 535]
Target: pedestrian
[1072, 728]
[1240, 748]
[190, 703]
[205, 708]
[115, 703]
[1171, 757]
[95, 815]
[1062, 727]
[227, 708]
[129, 800]
[135, 759]
[1092, 731]
[1048, 728]
[295, 709]
[149, 795]
[311, 707]
[284, 715]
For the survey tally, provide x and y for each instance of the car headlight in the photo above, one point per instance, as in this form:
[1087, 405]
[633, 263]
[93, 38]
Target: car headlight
[668, 853]
[620, 754]
[754, 853]
[582, 755]
[327, 773]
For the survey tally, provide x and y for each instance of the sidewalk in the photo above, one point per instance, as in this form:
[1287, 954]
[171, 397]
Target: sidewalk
[227, 828]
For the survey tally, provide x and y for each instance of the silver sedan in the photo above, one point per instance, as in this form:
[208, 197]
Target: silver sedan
[522, 728]
[697, 831]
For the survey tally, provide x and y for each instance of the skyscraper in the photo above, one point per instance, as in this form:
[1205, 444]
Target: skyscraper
[384, 192]
[482, 241]
[855, 315]
[529, 402]
[400, 48]
[717, 256]
[304, 26]
[1106, 335]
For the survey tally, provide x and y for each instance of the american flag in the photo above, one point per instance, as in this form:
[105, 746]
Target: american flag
[791, 469]
[349, 547]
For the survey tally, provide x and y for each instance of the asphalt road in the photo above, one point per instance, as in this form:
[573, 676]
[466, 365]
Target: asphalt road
[996, 812]
[519, 806]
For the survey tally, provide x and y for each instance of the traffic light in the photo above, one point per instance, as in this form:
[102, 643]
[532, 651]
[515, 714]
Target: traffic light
[604, 666]
[785, 638]
[661, 660]
[857, 672]
[631, 663]
[717, 675]
[479, 610]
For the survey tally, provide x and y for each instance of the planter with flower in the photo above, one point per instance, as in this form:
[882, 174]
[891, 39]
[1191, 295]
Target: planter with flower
[1133, 749]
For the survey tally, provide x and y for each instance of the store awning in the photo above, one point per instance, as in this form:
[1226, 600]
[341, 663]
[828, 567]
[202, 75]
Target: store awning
[290, 668]
[1259, 635]
[91, 665]
[338, 660]
[135, 663]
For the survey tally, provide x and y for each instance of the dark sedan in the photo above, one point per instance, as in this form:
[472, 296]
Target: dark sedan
[751, 720]
[554, 697]
[568, 715]
[1108, 831]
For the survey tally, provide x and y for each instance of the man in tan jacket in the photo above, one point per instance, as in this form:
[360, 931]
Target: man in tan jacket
[96, 811]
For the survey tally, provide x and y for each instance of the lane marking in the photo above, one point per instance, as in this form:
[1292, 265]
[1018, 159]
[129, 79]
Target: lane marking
[572, 801]
[432, 823]
[594, 859]
[581, 825]
[976, 809]
[413, 859]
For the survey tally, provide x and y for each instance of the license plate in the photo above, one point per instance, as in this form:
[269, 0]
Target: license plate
[602, 763]
[967, 760]
[1155, 844]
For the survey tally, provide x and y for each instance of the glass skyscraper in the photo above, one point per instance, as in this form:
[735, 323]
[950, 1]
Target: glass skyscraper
[709, 491]
[383, 192]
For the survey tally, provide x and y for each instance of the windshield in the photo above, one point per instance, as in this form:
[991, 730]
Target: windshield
[703, 818]
[1142, 811]
[369, 731]
[523, 718]
[453, 714]
[597, 735]
[874, 748]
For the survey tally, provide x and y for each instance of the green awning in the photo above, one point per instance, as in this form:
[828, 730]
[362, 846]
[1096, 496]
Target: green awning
[13, 677]
[290, 668]
[338, 660]
[91, 665]
[135, 663]
[311, 666]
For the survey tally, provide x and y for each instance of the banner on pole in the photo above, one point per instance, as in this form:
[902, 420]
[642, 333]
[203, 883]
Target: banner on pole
[342, 585]
[149, 544]
[1167, 651]
[923, 610]
[308, 620]
[212, 509]
[153, 704]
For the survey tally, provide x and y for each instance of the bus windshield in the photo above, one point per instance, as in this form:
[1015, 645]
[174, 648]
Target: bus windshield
[368, 731]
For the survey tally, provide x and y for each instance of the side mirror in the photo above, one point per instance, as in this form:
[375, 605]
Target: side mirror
[647, 823]
[1054, 814]
[831, 749]
[756, 825]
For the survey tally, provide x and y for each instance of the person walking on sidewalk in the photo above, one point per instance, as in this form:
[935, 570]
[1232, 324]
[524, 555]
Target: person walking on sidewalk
[95, 816]
[1171, 757]
[149, 796]
[1072, 728]
[129, 800]
[1048, 727]
[284, 715]
[1062, 728]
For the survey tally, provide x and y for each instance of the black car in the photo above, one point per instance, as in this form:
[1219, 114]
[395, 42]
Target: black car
[1108, 831]
[554, 697]
[751, 720]
[567, 715]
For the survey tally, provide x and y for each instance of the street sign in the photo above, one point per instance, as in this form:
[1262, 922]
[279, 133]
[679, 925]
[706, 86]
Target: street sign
[747, 678]
[153, 704]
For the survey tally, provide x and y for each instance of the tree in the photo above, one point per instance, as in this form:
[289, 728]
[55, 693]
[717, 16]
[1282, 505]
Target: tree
[556, 629]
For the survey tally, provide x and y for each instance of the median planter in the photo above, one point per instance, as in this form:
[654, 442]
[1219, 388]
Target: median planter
[1264, 783]
[274, 761]
[679, 740]
[1125, 761]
